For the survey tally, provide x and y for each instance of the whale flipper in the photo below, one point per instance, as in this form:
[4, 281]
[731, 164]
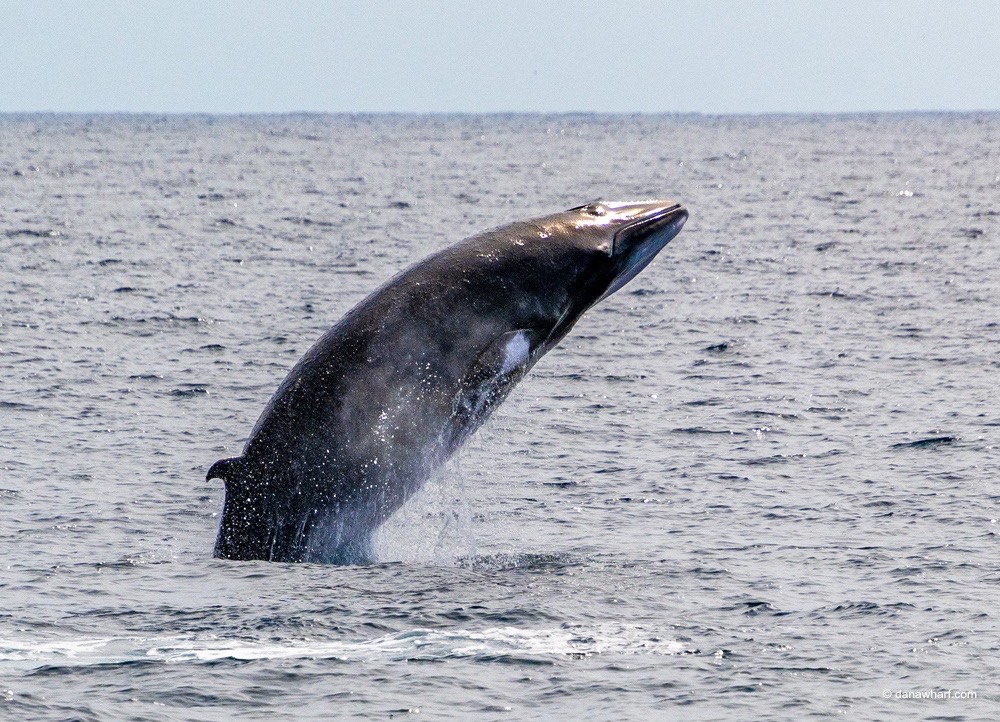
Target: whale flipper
[490, 378]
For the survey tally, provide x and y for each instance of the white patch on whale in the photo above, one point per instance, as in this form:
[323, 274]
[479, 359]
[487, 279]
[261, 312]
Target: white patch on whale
[516, 352]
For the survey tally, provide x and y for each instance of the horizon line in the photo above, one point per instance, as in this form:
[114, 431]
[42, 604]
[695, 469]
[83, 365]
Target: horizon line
[678, 113]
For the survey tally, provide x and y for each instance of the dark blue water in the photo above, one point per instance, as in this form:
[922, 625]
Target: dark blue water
[761, 481]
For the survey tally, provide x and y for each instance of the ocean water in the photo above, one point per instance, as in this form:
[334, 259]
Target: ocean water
[761, 481]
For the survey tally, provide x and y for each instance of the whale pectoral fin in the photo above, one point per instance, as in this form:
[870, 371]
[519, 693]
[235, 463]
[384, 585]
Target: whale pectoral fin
[507, 357]
[492, 375]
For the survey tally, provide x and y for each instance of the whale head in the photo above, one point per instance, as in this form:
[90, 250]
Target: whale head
[625, 235]
[589, 252]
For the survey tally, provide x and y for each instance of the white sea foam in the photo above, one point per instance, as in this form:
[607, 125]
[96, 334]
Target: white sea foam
[425, 644]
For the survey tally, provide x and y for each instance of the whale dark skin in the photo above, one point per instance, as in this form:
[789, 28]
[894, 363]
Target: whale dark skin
[390, 392]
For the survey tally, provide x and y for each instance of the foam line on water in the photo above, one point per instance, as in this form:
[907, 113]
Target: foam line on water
[417, 643]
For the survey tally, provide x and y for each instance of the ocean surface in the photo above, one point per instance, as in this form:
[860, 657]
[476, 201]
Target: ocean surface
[761, 481]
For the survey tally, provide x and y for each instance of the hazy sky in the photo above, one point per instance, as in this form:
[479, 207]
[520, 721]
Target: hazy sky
[712, 56]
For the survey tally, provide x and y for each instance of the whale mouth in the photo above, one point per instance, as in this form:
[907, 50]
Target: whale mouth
[652, 221]
[636, 244]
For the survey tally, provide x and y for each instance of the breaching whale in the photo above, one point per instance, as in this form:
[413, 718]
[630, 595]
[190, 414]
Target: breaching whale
[392, 390]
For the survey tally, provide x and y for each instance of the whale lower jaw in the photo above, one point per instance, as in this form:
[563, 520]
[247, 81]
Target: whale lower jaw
[646, 237]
